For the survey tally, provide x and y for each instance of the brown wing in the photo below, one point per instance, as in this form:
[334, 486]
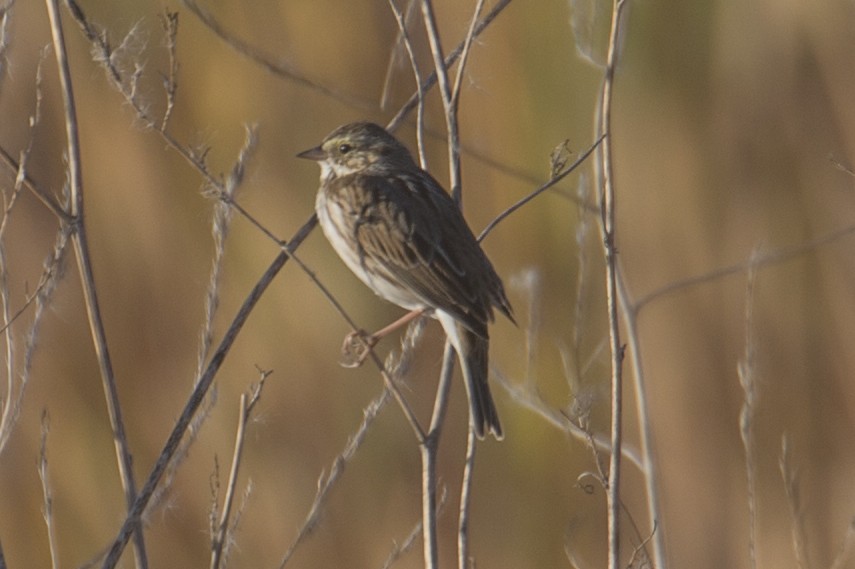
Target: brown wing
[414, 232]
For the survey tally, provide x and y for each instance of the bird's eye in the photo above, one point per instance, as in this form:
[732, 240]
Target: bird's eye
[344, 148]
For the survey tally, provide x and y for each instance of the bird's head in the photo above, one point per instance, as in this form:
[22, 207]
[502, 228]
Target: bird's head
[358, 147]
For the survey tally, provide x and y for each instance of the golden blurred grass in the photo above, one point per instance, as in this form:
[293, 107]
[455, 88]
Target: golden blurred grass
[725, 116]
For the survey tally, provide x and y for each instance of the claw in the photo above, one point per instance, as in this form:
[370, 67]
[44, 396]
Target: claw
[355, 348]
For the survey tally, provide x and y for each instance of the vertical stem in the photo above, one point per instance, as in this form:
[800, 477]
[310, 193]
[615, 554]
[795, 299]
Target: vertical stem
[87, 277]
[431, 547]
[608, 230]
[648, 451]
[429, 452]
[465, 493]
[448, 104]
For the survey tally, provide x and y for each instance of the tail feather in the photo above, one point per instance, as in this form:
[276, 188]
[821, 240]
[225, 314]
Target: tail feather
[472, 351]
[474, 361]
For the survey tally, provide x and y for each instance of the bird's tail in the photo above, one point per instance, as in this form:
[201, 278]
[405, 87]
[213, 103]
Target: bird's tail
[473, 354]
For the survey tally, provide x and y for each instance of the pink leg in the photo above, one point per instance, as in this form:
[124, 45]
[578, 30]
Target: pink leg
[357, 344]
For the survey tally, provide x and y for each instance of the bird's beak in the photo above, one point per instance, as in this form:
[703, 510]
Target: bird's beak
[317, 153]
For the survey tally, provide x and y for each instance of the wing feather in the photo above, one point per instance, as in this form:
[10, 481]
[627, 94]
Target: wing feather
[440, 262]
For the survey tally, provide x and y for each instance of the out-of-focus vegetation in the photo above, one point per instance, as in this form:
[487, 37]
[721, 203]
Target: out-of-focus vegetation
[733, 129]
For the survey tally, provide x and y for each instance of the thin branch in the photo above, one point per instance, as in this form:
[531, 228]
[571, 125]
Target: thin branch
[47, 493]
[10, 407]
[755, 261]
[420, 88]
[791, 486]
[648, 451]
[21, 173]
[4, 46]
[221, 533]
[266, 62]
[429, 451]
[463, 561]
[431, 80]
[449, 104]
[464, 56]
[41, 298]
[105, 55]
[561, 421]
[398, 550]
[220, 227]
[43, 196]
[554, 180]
[169, 21]
[610, 251]
[746, 369]
[87, 277]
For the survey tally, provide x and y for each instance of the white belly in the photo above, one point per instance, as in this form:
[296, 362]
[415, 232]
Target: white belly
[331, 216]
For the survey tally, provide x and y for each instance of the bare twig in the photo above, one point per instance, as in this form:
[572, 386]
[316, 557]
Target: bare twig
[755, 261]
[221, 224]
[105, 54]
[449, 103]
[215, 187]
[648, 454]
[169, 21]
[463, 561]
[4, 35]
[554, 180]
[429, 455]
[41, 298]
[559, 420]
[22, 178]
[47, 199]
[221, 533]
[47, 493]
[21, 174]
[746, 369]
[840, 166]
[790, 475]
[10, 401]
[220, 230]
[420, 88]
[464, 56]
[431, 80]
[640, 557]
[398, 550]
[631, 313]
[610, 251]
[277, 68]
[87, 277]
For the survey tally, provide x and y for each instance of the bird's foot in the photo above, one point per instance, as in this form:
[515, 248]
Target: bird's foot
[356, 347]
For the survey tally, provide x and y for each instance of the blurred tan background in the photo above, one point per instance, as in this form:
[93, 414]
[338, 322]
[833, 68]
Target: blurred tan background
[725, 114]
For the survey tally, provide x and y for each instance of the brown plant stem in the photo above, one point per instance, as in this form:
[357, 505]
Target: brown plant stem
[87, 277]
